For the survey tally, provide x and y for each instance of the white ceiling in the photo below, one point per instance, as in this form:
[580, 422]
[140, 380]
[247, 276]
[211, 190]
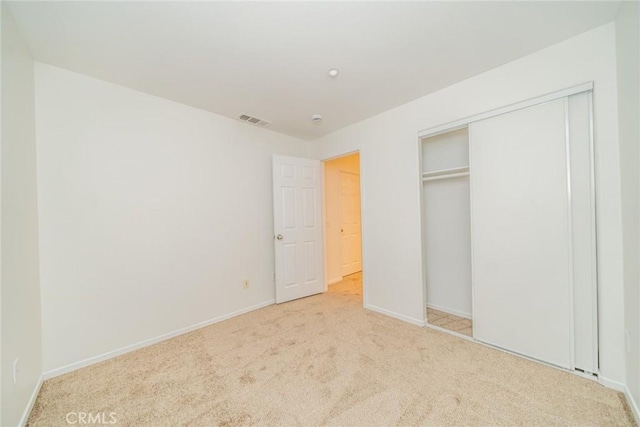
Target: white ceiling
[270, 59]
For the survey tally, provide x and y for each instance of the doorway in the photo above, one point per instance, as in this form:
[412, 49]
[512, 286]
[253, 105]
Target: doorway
[343, 223]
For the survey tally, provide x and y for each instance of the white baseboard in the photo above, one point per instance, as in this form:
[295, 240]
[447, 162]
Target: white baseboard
[450, 311]
[635, 406]
[616, 385]
[334, 281]
[32, 401]
[417, 322]
[111, 354]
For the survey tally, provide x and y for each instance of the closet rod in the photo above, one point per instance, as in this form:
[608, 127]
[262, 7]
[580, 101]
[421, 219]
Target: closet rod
[443, 177]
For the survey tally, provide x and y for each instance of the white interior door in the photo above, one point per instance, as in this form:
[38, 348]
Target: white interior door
[297, 217]
[522, 294]
[350, 228]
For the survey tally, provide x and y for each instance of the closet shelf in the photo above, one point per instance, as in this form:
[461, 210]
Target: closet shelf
[445, 174]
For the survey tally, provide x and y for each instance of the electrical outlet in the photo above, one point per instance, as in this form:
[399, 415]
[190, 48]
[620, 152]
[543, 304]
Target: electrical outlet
[246, 284]
[16, 370]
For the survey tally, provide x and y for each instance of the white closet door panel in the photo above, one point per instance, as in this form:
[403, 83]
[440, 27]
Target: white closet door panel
[520, 233]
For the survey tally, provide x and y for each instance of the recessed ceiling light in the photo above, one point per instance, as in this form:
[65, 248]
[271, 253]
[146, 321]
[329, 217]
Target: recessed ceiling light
[334, 72]
[316, 118]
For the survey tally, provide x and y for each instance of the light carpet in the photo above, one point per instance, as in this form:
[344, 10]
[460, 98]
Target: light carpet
[324, 360]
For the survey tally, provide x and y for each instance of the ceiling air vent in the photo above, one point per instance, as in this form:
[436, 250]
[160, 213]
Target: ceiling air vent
[253, 120]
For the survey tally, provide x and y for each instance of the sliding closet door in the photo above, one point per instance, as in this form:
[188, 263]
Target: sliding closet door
[522, 268]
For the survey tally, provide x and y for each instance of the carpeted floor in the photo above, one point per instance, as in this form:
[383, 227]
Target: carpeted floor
[324, 360]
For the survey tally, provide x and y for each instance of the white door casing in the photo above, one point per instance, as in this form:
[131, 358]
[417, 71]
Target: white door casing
[298, 234]
[350, 227]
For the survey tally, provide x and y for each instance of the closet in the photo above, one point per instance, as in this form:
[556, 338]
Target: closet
[509, 227]
[445, 160]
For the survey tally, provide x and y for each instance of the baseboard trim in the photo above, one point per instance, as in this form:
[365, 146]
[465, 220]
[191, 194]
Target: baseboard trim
[145, 343]
[395, 315]
[635, 407]
[334, 281]
[618, 386]
[32, 401]
[450, 311]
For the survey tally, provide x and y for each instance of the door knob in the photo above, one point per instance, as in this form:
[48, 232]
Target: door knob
[279, 237]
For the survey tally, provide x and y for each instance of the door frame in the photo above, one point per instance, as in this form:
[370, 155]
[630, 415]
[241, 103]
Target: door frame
[362, 216]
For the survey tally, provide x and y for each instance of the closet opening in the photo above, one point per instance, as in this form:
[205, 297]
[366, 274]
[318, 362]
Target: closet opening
[446, 227]
[343, 229]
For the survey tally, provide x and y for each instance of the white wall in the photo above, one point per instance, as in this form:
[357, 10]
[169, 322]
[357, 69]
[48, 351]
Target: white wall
[388, 147]
[152, 214]
[20, 281]
[627, 43]
[332, 207]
